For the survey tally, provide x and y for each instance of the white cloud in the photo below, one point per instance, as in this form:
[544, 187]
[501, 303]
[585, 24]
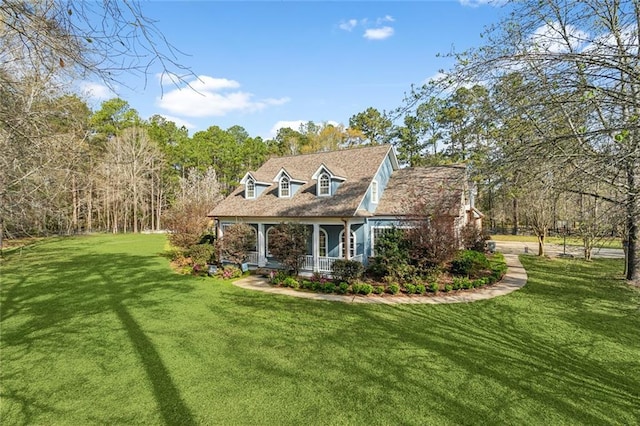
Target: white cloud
[179, 121]
[608, 43]
[348, 25]
[435, 78]
[554, 38]
[96, 91]
[378, 33]
[294, 125]
[208, 97]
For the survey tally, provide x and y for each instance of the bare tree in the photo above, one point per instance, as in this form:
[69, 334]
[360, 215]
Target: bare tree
[579, 61]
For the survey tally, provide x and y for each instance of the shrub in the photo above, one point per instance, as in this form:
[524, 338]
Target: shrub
[448, 288]
[278, 278]
[238, 240]
[378, 289]
[460, 283]
[343, 288]
[474, 238]
[347, 270]
[366, 289]
[479, 282]
[392, 254]
[434, 287]
[432, 241]
[393, 288]
[201, 254]
[329, 287]
[291, 282]
[421, 289]
[229, 272]
[319, 278]
[306, 284]
[469, 263]
[410, 288]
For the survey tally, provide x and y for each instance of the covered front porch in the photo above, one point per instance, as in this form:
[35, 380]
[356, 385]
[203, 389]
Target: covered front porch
[326, 243]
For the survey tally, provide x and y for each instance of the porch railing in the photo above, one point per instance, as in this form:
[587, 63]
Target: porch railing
[324, 263]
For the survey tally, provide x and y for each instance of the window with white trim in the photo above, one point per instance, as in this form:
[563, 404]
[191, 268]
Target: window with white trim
[323, 243]
[374, 191]
[285, 187]
[324, 185]
[352, 249]
[250, 189]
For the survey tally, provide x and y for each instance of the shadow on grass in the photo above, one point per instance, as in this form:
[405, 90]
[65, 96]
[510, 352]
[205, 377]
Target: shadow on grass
[57, 296]
[541, 355]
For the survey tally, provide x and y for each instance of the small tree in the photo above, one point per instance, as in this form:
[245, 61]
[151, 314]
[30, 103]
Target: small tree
[288, 244]
[187, 219]
[431, 235]
[474, 237]
[432, 242]
[238, 240]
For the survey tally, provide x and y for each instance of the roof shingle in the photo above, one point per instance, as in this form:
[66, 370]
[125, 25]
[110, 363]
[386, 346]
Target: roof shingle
[436, 189]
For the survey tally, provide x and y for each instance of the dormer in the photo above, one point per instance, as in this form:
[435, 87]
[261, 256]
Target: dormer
[287, 185]
[252, 186]
[327, 182]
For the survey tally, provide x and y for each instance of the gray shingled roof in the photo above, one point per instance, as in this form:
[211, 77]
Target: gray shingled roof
[357, 165]
[439, 188]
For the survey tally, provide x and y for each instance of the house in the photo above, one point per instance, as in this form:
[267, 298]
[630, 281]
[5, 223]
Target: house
[357, 192]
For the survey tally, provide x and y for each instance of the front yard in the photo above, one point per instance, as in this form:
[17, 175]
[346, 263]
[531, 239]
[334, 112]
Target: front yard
[99, 330]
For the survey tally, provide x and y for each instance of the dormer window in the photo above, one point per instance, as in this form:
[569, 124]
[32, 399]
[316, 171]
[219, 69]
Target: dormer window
[285, 187]
[374, 191]
[250, 189]
[324, 185]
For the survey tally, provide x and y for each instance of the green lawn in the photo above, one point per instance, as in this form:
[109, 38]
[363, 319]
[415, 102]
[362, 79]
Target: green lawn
[98, 330]
[571, 241]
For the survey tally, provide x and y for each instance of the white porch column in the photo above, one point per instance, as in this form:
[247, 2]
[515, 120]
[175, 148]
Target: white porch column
[316, 246]
[262, 253]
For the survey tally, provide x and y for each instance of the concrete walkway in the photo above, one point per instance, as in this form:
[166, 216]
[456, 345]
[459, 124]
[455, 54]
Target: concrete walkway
[514, 279]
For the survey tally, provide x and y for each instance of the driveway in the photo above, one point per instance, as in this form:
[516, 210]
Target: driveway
[513, 247]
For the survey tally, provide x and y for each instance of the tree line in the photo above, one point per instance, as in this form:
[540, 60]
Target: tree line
[544, 113]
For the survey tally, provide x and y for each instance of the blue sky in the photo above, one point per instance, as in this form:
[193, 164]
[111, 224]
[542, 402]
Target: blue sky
[266, 64]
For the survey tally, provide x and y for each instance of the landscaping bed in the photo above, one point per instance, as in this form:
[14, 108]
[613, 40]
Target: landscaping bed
[462, 274]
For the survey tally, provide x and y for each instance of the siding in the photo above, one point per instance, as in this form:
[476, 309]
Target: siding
[382, 177]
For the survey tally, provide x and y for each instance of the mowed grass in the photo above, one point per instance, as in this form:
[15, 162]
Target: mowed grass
[98, 330]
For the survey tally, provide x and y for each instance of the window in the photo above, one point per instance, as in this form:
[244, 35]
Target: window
[250, 189]
[324, 185]
[352, 252]
[324, 243]
[374, 191]
[285, 187]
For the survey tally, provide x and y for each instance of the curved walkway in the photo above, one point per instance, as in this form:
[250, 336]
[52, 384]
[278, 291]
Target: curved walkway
[514, 279]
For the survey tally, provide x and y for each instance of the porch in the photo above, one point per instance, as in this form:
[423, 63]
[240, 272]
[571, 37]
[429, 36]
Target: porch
[326, 243]
[323, 265]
